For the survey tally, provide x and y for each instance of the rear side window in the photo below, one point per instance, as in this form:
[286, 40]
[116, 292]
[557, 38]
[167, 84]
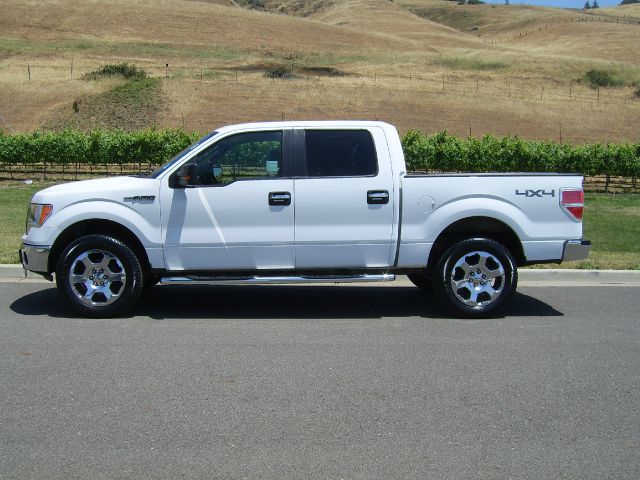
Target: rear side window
[340, 153]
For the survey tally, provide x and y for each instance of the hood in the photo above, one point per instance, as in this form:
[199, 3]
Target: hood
[111, 188]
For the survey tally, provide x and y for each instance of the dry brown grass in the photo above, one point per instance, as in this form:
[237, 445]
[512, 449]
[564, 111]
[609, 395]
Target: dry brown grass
[418, 102]
[488, 19]
[396, 61]
[632, 11]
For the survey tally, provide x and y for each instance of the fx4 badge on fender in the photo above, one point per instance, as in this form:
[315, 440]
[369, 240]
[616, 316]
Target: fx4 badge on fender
[140, 199]
[536, 193]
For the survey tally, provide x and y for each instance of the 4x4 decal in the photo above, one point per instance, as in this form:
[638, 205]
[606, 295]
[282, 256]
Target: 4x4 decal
[536, 193]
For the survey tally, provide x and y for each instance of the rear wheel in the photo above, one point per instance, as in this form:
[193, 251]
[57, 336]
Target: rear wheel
[99, 276]
[475, 276]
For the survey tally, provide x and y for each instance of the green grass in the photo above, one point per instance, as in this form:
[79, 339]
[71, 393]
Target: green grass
[470, 63]
[121, 49]
[13, 212]
[612, 223]
[132, 105]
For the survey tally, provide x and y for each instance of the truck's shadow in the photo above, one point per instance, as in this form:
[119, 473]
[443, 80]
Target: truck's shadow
[278, 302]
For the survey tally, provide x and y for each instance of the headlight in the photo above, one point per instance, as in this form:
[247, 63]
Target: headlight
[37, 215]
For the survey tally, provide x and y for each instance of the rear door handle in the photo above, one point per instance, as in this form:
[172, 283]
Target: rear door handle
[279, 198]
[377, 197]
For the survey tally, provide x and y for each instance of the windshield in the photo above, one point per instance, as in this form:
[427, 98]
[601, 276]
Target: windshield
[156, 173]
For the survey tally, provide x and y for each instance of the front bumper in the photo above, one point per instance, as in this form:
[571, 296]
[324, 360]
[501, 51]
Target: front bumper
[35, 258]
[576, 250]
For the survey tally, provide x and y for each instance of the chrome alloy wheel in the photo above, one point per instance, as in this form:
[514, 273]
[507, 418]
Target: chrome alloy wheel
[477, 279]
[97, 277]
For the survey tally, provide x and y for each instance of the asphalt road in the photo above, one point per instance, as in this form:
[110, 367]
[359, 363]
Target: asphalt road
[320, 382]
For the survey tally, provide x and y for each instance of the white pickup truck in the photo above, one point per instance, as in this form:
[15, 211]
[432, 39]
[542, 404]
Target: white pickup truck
[301, 202]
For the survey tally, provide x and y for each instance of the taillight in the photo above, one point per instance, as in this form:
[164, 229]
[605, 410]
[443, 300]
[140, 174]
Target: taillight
[572, 200]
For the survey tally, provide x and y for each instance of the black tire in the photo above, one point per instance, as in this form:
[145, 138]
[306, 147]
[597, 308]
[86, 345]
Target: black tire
[99, 276]
[150, 280]
[474, 277]
[421, 280]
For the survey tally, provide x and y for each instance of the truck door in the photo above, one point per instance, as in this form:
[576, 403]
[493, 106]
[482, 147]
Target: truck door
[344, 206]
[237, 213]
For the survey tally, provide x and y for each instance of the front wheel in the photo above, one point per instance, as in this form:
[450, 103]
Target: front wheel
[421, 280]
[475, 276]
[99, 276]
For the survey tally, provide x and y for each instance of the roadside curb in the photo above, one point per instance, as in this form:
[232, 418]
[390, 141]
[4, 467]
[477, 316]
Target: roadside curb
[580, 277]
[15, 272]
[526, 276]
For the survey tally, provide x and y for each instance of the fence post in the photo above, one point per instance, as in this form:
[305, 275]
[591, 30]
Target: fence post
[29, 71]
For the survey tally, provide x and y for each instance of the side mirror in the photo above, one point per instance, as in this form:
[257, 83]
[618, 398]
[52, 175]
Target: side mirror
[185, 176]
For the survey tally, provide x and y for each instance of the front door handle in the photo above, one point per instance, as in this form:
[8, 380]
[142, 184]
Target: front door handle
[377, 197]
[279, 198]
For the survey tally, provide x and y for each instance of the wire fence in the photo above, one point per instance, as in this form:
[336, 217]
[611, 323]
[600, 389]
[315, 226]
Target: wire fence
[466, 83]
[582, 114]
[581, 19]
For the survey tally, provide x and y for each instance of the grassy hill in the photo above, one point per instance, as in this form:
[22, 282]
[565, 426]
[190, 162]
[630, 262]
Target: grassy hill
[428, 64]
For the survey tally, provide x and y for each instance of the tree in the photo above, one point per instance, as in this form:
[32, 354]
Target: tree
[587, 6]
[506, 2]
[595, 4]
[629, 2]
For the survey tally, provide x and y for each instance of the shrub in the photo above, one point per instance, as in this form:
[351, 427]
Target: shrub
[96, 147]
[601, 78]
[439, 152]
[127, 71]
[279, 71]
[444, 152]
[255, 4]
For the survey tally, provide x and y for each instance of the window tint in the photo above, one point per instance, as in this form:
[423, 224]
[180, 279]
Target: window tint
[340, 153]
[240, 157]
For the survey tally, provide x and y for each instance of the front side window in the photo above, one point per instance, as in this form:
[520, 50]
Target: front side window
[340, 153]
[243, 156]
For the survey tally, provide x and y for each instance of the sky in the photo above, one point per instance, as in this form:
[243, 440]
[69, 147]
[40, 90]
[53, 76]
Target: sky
[560, 3]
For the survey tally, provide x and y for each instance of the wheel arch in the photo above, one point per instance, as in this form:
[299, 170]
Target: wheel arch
[97, 226]
[480, 227]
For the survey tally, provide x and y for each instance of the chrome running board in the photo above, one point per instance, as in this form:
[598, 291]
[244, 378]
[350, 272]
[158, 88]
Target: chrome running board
[258, 280]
